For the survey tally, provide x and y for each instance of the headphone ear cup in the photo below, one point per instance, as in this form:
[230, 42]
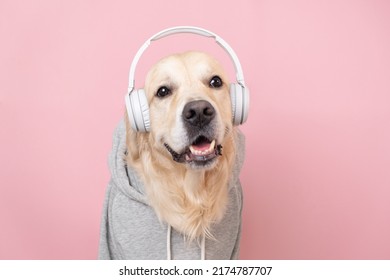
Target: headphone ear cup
[239, 96]
[138, 110]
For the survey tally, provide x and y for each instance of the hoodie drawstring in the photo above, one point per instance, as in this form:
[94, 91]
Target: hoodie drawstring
[203, 248]
[169, 252]
[169, 257]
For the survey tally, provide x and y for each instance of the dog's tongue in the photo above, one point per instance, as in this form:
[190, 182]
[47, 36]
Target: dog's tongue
[202, 146]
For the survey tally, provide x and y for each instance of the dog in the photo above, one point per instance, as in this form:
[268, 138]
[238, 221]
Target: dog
[187, 166]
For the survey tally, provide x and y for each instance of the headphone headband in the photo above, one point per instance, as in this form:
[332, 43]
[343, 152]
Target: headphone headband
[186, 29]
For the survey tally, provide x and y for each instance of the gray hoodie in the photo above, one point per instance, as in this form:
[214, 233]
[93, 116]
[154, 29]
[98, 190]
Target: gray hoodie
[130, 228]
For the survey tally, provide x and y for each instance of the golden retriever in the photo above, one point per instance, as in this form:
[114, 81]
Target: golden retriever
[186, 160]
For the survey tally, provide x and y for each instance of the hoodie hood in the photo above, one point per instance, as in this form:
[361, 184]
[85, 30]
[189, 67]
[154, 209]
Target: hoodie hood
[124, 177]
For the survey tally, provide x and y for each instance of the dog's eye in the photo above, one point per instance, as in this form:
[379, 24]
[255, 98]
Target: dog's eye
[216, 82]
[163, 91]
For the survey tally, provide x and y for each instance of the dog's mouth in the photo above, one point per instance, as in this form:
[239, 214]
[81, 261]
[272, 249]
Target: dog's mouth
[201, 151]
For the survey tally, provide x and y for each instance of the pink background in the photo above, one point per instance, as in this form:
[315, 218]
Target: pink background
[316, 177]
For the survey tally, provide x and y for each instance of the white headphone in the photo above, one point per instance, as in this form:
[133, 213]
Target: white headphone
[137, 104]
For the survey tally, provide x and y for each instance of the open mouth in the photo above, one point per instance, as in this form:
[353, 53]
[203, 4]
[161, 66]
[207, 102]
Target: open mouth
[201, 150]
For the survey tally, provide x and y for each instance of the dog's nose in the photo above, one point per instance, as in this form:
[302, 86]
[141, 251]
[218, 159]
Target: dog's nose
[198, 113]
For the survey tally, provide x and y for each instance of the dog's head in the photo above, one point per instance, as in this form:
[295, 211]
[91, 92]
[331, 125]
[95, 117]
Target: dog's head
[190, 108]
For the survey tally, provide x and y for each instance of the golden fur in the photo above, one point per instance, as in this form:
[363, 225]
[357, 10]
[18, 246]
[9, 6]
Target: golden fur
[189, 199]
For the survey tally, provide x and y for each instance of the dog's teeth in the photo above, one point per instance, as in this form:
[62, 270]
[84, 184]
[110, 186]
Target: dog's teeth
[212, 145]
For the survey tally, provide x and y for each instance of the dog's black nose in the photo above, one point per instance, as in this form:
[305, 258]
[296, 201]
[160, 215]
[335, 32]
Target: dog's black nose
[198, 113]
